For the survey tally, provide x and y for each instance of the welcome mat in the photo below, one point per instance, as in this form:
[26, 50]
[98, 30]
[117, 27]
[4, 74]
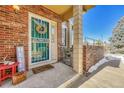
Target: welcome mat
[42, 68]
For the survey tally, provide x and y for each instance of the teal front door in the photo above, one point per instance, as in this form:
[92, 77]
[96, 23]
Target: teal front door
[39, 40]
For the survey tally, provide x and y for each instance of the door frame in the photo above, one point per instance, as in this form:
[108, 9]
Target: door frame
[30, 64]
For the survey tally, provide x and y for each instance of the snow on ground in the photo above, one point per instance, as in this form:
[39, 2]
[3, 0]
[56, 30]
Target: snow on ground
[121, 57]
[107, 58]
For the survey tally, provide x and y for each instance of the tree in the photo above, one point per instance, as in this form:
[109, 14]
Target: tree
[110, 39]
[117, 40]
[99, 42]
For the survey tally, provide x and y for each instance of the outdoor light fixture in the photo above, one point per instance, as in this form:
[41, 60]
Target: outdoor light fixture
[16, 8]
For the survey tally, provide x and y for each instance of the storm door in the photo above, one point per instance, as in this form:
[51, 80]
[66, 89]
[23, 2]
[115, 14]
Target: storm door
[40, 40]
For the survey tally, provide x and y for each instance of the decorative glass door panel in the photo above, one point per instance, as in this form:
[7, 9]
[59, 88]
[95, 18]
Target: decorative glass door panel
[40, 40]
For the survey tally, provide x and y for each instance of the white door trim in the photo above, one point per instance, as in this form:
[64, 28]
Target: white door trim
[31, 65]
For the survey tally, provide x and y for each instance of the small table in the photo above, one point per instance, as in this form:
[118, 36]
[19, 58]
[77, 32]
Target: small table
[3, 68]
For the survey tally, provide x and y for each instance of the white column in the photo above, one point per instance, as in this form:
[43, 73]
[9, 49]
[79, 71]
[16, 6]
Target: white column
[78, 40]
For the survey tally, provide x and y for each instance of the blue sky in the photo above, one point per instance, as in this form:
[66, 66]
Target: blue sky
[99, 22]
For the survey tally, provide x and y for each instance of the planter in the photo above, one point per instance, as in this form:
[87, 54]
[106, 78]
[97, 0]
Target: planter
[18, 78]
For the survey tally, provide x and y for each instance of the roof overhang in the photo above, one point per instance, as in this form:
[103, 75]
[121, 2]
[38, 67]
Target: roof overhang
[66, 11]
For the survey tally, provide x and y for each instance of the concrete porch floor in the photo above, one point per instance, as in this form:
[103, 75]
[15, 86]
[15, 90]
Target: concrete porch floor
[48, 79]
[108, 75]
[107, 78]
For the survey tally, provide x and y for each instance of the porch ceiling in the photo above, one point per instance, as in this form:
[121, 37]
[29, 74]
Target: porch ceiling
[66, 11]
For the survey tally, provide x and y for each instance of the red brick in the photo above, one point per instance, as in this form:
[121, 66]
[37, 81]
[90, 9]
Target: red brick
[11, 36]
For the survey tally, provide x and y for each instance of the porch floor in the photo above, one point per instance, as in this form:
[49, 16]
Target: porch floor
[109, 77]
[48, 79]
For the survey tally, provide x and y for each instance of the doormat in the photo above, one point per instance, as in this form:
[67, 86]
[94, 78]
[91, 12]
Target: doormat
[42, 68]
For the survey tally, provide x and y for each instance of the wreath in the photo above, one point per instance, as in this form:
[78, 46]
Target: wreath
[41, 29]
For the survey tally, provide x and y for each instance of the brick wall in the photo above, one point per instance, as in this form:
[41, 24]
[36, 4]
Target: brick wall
[59, 41]
[91, 55]
[14, 29]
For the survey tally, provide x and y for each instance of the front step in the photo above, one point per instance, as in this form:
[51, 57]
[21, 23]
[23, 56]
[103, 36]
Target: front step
[77, 82]
[108, 77]
[82, 79]
[74, 82]
[69, 82]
